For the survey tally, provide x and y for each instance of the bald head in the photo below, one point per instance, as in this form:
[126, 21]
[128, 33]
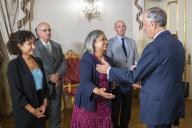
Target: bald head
[43, 31]
[42, 24]
[119, 22]
[120, 28]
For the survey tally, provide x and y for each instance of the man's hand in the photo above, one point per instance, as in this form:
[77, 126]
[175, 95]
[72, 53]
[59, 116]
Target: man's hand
[101, 92]
[54, 78]
[103, 68]
[133, 67]
[42, 109]
[137, 85]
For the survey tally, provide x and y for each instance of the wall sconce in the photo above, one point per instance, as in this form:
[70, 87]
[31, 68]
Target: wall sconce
[90, 8]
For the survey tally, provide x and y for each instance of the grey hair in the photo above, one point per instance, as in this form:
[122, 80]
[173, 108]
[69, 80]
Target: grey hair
[90, 41]
[158, 15]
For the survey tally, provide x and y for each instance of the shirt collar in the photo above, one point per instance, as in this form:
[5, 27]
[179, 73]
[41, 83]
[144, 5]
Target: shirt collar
[48, 43]
[120, 37]
[158, 33]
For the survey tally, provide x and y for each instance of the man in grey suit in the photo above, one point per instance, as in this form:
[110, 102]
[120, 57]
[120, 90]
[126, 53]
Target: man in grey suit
[55, 65]
[123, 52]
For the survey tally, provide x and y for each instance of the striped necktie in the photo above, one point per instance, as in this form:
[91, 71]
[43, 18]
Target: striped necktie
[48, 48]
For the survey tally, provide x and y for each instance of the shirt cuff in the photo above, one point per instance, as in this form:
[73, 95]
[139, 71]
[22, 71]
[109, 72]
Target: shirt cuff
[108, 72]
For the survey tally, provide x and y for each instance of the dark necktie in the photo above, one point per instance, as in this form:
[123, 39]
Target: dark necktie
[123, 46]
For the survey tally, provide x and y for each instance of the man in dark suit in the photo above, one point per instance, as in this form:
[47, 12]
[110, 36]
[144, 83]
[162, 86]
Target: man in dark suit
[54, 64]
[160, 71]
[123, 52]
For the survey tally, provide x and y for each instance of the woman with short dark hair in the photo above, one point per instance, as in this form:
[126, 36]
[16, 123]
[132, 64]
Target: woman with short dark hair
[27, 82]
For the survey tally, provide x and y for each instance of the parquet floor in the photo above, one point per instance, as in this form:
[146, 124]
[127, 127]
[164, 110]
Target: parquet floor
[7, 121]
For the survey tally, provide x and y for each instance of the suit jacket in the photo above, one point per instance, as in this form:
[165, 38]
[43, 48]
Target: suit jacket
[160, 70]
[119, 60]
[52, 63]
[88, 81]
[23, 90]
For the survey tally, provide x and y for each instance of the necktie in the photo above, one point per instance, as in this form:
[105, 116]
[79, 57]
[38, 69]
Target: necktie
[48, 48]
[123, 46]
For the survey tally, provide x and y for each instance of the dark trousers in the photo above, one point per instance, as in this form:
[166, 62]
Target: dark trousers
[121, 108]
[160, 126]
[55, 107]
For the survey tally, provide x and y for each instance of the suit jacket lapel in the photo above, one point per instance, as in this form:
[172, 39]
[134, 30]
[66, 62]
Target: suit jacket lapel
[55, 55]
[45, 54]
[54, 51]
[96, 74]
[28, 73]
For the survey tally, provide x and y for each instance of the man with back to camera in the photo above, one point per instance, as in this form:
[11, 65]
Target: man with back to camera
[160, 71]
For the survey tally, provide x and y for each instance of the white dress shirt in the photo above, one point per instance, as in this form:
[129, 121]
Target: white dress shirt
[158, 33]
[47, 45]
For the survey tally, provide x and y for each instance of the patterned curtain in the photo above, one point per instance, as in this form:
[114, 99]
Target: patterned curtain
[24, 14]
[14, 15]
[5, 98]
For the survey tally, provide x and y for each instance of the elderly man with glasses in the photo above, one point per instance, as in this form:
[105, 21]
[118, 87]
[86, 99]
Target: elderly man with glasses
[54, 64]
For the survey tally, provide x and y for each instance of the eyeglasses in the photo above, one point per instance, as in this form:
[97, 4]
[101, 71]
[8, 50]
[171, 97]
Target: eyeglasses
[45, 30]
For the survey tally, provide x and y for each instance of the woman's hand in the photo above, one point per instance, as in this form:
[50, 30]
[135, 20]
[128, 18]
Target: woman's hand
[34, 111]
[37, 113]
[101, 92]
[43, 107]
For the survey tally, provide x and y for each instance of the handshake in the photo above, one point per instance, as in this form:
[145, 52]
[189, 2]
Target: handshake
[105, 67]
